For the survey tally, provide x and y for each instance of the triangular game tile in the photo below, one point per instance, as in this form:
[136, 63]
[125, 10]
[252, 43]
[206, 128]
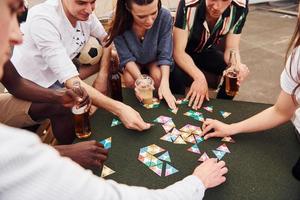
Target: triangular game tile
[194, 149]
[198, 139]
[115, 122]
[219, 154]
[179, 140]
[228, 139]
[203, 157]
[157, 169]
[106, 143]
[165, 156]
[224, 114]
[170, 170]
[106, 171]
[167, 137]
[224, 148]
[182, 101]
[208, 108]
[154, 149]
[174, 111]
[162, 119]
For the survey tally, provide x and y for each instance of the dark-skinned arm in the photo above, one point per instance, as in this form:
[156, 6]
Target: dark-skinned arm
[27, 90]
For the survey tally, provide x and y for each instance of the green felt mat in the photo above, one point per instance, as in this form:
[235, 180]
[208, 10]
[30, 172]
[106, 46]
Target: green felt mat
[259, 164]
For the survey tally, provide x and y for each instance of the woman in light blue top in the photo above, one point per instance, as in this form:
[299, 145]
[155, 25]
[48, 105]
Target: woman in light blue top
[142, 34]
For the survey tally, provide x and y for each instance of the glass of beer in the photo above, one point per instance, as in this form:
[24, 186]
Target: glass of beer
[144, 86]
[82, 122]
[231, 86]
[81, 116]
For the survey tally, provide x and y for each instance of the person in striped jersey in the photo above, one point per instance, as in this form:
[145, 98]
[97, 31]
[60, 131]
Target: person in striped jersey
[200, 26]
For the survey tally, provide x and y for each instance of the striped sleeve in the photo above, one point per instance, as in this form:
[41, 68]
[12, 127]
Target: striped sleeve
[180, 21]
[238, 26]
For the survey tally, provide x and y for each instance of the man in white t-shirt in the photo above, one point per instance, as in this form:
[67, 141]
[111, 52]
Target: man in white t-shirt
[54, 33]
[31, 170]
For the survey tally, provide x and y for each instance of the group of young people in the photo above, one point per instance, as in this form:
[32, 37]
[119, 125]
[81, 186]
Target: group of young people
[185, 55]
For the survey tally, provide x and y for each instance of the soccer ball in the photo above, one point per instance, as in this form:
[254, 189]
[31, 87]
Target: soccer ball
[91, 52]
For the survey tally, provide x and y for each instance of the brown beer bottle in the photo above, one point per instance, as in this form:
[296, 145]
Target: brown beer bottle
[231, 86]
[81, 115]
[115, 80]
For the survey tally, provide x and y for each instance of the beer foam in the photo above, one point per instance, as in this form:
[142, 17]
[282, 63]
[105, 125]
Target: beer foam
[78, 111]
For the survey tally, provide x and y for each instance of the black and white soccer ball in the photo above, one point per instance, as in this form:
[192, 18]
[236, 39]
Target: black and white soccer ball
[91, 53]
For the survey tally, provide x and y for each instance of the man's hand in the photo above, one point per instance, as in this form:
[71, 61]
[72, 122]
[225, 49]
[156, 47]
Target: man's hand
[219, 129]
[132, 119]
[69, 98]
[165, 92]
[89, 154]
[243, 73]
[198, 92]
[211, 173]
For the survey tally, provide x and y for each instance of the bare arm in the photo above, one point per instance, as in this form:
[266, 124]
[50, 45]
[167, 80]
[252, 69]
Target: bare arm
[133, 69]
[199, 88]
[27, 90]
[130, 118]
[233, 43]
[274, 116]
[182, 59]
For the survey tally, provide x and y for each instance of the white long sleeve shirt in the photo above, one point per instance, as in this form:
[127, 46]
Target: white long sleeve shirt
[51, 42]
[30, 170]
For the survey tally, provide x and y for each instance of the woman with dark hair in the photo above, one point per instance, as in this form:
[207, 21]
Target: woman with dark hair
[283, 110]
[142, 34]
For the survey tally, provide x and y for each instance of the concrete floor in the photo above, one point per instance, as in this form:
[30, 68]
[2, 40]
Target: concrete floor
[264, 41]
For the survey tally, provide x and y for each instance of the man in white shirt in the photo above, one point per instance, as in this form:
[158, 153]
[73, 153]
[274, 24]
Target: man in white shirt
[53, 38]
[31, 170]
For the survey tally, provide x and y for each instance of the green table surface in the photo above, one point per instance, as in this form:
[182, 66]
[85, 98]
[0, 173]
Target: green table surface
[259, 164]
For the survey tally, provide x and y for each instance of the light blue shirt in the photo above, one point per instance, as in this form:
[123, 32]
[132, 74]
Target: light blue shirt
[157, 45]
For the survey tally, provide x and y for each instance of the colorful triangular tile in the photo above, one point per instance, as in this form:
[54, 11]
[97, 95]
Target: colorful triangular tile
[182, 101]
[224, 148]
[198, 139]
[170, 170]
[224, 114]
[179, 140]
[203, 157]
[174, 110]
[154, 149]
[190, 139]
[106, 143]
[168, 126]
[106, 171]
[228, 139]
[165, 156]
[189, 128]
[189, 113]
[157, 169]
[115, 122]
[194, 149]
[219, 154]
[155, 161]
[199, 118]
[208, 108]
[168, 137]
[176, 132]
[162, 119]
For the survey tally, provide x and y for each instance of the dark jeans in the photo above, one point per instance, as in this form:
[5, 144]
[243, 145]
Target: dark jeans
[211, 63]
[296, 168]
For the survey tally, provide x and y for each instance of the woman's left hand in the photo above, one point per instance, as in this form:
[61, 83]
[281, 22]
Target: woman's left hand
[165, 92]
[243, 73]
